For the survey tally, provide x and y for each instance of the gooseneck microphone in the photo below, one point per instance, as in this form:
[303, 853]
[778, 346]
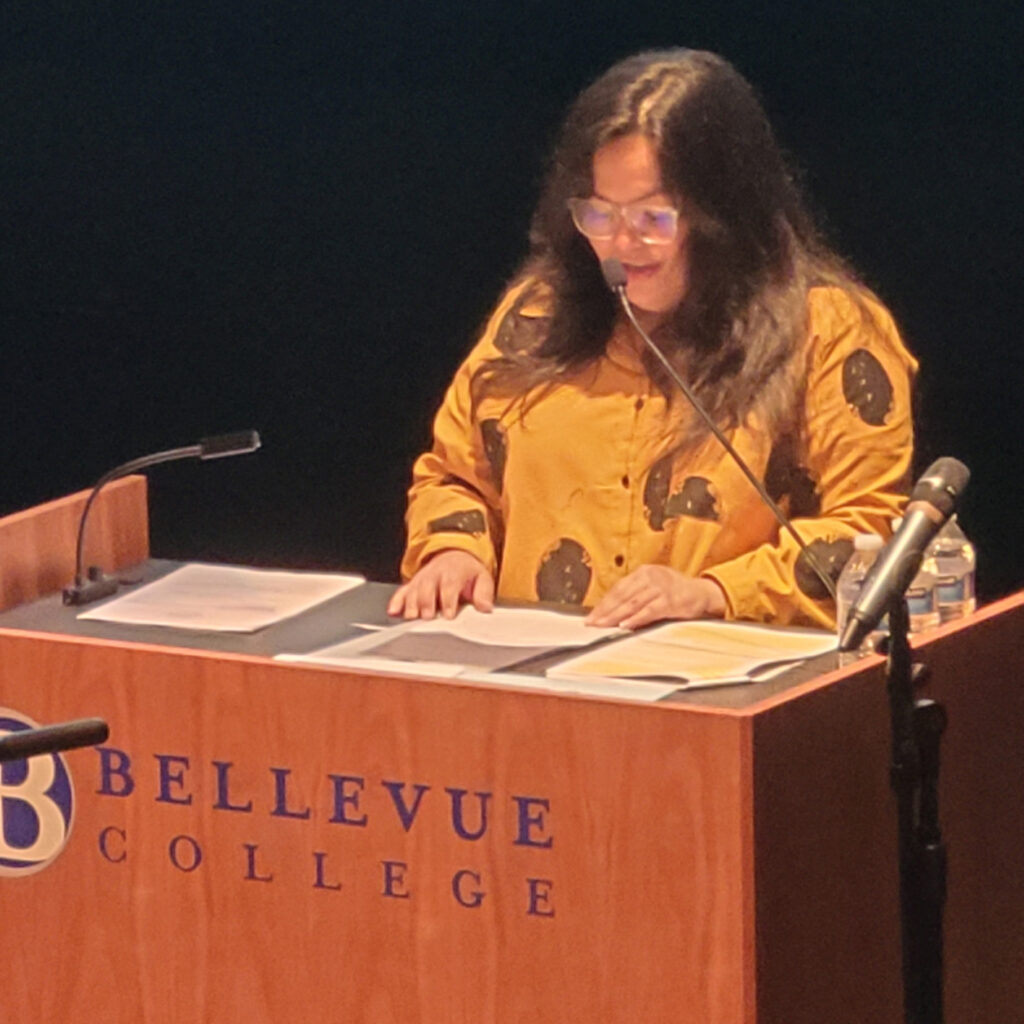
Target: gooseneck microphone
[48, 739]
[95, 584]
[932, 501]
[615, 277]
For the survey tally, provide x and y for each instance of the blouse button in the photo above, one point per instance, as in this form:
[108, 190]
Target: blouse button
[625, 480]
[619, 560]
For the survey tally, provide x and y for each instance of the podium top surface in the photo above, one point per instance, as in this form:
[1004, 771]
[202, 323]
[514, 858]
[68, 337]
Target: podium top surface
[331, 622]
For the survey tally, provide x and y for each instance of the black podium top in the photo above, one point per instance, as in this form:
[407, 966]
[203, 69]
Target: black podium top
[331, 622]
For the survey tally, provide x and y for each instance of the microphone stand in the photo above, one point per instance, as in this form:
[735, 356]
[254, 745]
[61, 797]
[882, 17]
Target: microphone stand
[49, 739]
[94, 583]
[614, 276]
[917, 727]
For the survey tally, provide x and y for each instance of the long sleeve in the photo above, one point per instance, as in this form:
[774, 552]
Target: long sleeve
[846, 471]
[455, 497]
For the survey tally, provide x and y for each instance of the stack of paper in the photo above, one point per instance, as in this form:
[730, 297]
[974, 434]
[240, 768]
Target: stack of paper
[473, 640]
[223, 598]
[700, 653]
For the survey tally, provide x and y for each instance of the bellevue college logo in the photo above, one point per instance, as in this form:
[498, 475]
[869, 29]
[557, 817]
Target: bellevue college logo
[36, 806]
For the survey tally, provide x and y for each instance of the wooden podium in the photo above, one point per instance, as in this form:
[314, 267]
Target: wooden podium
[266, 842]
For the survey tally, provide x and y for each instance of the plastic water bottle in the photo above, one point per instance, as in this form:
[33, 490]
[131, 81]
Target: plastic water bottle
[865, 550]
[952, 560]
[922, 598]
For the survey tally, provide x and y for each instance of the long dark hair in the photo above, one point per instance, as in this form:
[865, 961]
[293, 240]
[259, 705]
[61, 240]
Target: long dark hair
[753, 249]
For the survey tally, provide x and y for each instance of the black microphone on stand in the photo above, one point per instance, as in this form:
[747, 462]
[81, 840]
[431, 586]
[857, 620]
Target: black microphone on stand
[615, 277]
[94, 584]
[48, 739]
[932, 501]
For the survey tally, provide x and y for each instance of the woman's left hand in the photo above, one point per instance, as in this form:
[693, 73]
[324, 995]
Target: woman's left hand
[655, 592]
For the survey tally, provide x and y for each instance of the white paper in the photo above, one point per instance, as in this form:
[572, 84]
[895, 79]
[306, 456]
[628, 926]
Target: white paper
[632, 689]
[712, 653]
[620, 689]
[504, 629]
[223, 598]
[517, 627]
[439, 669]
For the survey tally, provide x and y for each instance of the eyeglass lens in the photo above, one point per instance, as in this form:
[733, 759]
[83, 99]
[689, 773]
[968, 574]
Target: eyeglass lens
[598, 218]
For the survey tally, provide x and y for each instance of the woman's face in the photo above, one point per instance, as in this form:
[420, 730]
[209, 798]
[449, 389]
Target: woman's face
[626, 171]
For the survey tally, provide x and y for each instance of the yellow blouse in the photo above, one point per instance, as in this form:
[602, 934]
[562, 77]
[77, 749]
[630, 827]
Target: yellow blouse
[565, 498]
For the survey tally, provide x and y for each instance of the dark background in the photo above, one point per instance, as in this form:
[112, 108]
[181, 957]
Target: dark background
[295, 216]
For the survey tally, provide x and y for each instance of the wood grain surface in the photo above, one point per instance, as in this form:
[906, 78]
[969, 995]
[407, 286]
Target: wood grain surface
[641, 902]
[37, 546]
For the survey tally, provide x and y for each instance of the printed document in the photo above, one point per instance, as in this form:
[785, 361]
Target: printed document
[472, 640]
[223, 598]
[700, 653]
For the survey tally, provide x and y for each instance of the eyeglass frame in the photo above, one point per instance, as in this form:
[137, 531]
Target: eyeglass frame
[620, 210]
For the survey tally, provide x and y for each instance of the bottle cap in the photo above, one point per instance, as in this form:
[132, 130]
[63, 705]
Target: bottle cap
[867, 542]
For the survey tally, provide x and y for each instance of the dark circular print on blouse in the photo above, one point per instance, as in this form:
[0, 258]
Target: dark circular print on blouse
[784, 477]
[564, 573]
[495, 447]
[470, 521]
[694, 499]
[831, 556]
[656, 492]
[866, 387]
[518, 333]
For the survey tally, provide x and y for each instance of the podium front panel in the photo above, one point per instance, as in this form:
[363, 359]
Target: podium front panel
[267, 842]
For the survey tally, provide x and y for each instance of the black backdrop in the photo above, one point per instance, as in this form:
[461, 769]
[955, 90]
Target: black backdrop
[294, 216]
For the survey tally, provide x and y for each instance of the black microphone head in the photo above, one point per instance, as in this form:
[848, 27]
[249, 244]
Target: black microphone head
[942, 484]
[614, 273]
[239, 443]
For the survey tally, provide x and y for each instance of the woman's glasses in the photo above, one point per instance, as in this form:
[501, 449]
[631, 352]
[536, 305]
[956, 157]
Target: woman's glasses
[599, 218]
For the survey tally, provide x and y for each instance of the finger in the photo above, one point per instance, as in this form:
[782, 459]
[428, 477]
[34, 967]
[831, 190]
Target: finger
[428, 602]
[605, 614]
[602, 613]
[644, 616]
[397, 603]
[421, 602]
[449, 592]
[411, 607]
[619, 603]
[483, 592]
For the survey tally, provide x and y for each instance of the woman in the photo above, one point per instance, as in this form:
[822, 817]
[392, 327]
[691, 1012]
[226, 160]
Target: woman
[567, 467]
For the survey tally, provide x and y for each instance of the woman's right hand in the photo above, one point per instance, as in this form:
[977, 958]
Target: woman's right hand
[448, 579]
